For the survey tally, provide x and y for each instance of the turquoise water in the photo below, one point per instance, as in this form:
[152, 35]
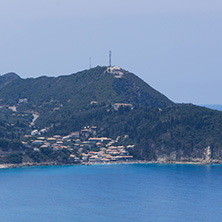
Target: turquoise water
[106, 193]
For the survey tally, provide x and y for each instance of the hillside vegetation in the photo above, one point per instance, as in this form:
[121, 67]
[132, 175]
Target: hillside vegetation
[76, 91]
[180, 132]
[160, 129]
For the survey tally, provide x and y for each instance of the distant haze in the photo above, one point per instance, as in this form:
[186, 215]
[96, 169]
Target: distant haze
[174, 45]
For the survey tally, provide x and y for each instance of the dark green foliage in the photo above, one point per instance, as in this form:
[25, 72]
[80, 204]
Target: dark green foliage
[186, 129]
[12, 127]
[7, 78]
[47, 155]
[73, 93]
[13, 158]
[156, 125]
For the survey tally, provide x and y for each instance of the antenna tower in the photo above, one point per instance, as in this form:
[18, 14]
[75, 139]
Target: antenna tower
[110, 58]
[90, 64]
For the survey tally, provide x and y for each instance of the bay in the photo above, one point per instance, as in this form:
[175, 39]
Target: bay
[133, 192]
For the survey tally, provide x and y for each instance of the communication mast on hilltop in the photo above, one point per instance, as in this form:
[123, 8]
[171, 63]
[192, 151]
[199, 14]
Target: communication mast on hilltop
[110, 58]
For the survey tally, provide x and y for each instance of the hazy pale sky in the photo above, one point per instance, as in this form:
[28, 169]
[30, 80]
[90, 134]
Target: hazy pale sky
[173, 45]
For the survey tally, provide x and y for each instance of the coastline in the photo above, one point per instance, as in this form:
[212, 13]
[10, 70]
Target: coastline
[21, 165]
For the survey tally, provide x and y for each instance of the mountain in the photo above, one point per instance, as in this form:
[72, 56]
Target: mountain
[183, 132]
[80, 89]
[64, 97]
[120, 104]
[8, 78]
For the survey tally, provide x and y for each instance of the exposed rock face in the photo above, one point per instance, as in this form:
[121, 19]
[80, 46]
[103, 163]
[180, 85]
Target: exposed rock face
[204, 158]
[207, 154]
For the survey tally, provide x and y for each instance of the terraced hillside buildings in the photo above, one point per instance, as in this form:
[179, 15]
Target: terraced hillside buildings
[84, 147]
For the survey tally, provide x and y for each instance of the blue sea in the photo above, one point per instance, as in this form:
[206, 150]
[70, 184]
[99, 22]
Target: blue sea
[134, 192]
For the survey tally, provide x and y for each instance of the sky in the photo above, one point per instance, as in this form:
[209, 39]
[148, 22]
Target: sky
[173, 45]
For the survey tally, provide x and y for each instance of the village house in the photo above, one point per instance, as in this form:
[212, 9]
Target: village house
[85, 132]
[51, 139]
[101, 140]
[38, 142]
[65, 138]
[130, 147]
[44, 146]
[74, 134]
[34, 132]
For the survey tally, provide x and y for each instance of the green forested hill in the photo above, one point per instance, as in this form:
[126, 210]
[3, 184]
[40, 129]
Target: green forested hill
[76, 91]
[8, 78]
[177, 132]
[159, 128]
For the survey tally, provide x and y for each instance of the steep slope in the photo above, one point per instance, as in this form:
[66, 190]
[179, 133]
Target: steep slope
[178, 133]
[160, 129]
[8, 78]
[76, 91]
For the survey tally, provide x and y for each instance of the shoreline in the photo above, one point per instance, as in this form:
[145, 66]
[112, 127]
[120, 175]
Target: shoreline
[21, 165]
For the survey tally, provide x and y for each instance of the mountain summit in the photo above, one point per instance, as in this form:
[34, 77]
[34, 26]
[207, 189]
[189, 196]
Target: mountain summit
[7, 78]
[103, 85]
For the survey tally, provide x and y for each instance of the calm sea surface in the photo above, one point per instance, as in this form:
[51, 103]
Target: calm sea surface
[136, 192]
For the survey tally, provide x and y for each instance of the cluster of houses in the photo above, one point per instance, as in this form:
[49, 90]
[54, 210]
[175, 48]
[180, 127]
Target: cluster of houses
[84, 146]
